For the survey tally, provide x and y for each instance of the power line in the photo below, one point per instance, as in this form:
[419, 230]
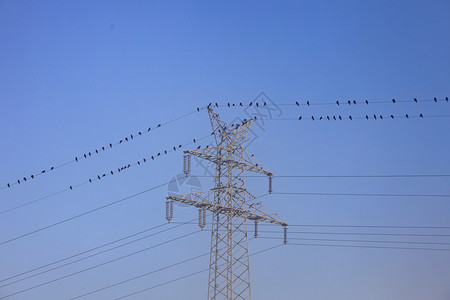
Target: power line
[362, 233]
[189, 275]
[96, 151]
[370, 247]
[84, 258]
[86, 213]
[345, 176]
[365, 226]
[360, 241]
[361, 194]
[99, 265]
[353, 118]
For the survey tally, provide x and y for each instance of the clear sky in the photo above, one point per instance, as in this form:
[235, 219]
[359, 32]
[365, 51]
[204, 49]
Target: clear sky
[79, 75]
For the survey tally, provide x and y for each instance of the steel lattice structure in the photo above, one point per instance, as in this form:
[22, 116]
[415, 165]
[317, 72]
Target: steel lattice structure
[231, 206]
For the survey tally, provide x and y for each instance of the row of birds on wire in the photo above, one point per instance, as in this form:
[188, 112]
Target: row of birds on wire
[338, 103]
[131, 137]
[367, 117]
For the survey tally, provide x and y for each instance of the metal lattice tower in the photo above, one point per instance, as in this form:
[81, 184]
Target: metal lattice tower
[231, 206]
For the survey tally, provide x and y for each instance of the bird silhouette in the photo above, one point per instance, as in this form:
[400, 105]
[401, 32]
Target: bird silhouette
[257, 105]
[334, 118]
[349, 103]
[381, 117]
[407, 116]
[300, 117]
[328, 118]
[340, 118]
[207, 146]
[32, 176]
[320, 118]
[138, 162]
[43, 171]
[446, 99]
[415, 100]
[103, 175]
[165, 152]
[120, 142]
[18, 181]
[96, 151]
[179, 146]
[367, 102]
[354, 102]
[217, 105]
[193, 140]
[421, 116]
[85, 156]
[144, 160]
[367, 117]
[392, 116]
[110, 145]
[76, 158]
[307, 102]
[174, 148]
[198, 109]
[350, 117]
[24, 179]
[149, 129]
[312, 118]
[198, 147]
[103, 148]
[112, 173]
[228, 104]
[393, 100]
[375, 116]
[435, 99]
[265, 104]
[98, 177]
[8, 185]
[131, 136]
[159, 125]
[240, 103]
[296, 102]
[90, 180]
[70, 187]
[89, 154]
[158, 154]
[337, 102]
[153, 158]
[251, 103]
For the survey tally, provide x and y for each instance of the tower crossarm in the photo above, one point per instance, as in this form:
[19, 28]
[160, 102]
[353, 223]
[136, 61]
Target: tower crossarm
[250, 209]
[247, 162]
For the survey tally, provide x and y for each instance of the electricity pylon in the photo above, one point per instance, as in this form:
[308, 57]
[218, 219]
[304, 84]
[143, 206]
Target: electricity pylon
[231, 206]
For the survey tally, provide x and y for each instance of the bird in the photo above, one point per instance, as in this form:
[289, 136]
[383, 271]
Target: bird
[179, 146]
[70, 187]
[198, 147]
[337, 102]
[340, 118]
[354, 102]
[240, 103]
[228, 104]
[8, 185]
[320, 118]
[257, 105]
[381, 117]
[393, 100]
[103, 148]
[112, 173]
[349, 103]
[334, 118]
[90, 180]
[158, 154]
[198, 109]
[120, 142]
[217, 105]
[300, 117]
[96, 151]
[174, 148]
[367, 117]
[312, 118]
[255, 118]
[367, 102]
[207, 146]
[350, 117]
[296, 102]
[375, 116]
[76, 158]
[153, 158]
[407, 116]
[415, 100]
[446, 99]
[265, 104]
[149, 129]
[138, 162]
[193, 140]
[89, 153]
[421, 116]
[43, 171]
[435, 99]
[98, 177]
[85, 156]
[392, 116]
[159, 125]
[110, 145]
[32, 176]
[251, 103]
[328, 118]
[103, 175]
[24, 179]
[126, 139]
[144, 160]
[165, 152]
[307, 102]
[18, 181]
[131, 136]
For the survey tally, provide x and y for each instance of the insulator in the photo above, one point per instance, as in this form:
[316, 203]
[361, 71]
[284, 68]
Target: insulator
[285, 235]
[200, 218]
[171, 209]
[168, 216]
[204, 216]
[256, 229]
[189, 164]
[270, 184]
[185, 164]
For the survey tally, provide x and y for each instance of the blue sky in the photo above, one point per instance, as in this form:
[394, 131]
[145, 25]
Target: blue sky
[78, 75]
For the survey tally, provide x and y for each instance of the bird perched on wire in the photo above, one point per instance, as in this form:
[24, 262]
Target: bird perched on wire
[393, 100]
[296, 102]
[415, 100]
[407, 116]
[367, 102]
[307, 102]
[337, 102]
